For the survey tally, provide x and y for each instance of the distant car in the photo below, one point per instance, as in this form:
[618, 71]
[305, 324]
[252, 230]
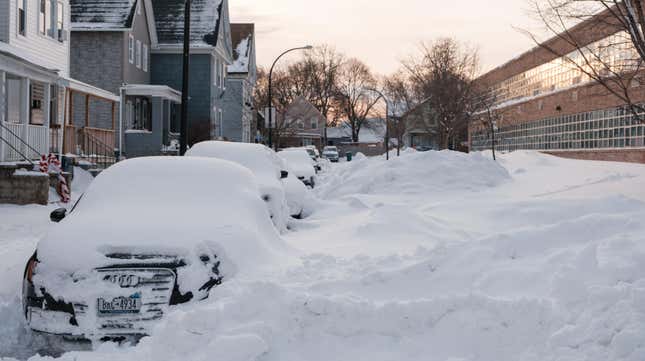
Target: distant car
[331, 153]
[315, 151]
[296, 193]
[302, 165]
[423, 148]
[148, 234]
[265, 165]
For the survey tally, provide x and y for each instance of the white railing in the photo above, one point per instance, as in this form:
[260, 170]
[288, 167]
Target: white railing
[14, 136]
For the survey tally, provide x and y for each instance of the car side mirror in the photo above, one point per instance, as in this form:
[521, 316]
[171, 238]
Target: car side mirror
[58, 215]
[284, 174]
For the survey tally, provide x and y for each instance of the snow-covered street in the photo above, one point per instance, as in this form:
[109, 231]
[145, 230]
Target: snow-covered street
[436, 256]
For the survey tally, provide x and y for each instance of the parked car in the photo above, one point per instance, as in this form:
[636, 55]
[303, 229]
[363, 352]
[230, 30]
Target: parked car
[265, 165]
[331, 153]
[296, 192]
[302, 165]
[148, 234]
[313, 151]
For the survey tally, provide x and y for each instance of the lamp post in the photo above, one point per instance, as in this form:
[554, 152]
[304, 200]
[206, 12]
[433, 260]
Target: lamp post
[183, 132]
[270, 115]
[387, 123]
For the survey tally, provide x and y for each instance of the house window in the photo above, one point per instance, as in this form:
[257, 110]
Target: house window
[60, 22]
[22, 17]
[131, 49]
[145, 57]
[139, 54]
[42, 17]
[314, 124]
[140, 115]
[301, 124]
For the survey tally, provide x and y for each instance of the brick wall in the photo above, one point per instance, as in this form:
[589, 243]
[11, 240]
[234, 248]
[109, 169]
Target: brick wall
[97, 59]
[617, 155]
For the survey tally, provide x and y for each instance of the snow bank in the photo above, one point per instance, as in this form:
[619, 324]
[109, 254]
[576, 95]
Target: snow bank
[416, 172]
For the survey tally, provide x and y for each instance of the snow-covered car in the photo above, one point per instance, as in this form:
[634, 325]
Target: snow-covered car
[148, 234]
[296, 192]
[313, 151]
[331, 153]
[265, 165]
[301, 164]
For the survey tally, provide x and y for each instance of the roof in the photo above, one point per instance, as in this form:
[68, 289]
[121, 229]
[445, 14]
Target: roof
[102, 14]
[242, 37]
[204, 21]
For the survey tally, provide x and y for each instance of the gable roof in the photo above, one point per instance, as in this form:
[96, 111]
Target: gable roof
[102, 14]
[302, 108]
[242, 38]
[204, 22]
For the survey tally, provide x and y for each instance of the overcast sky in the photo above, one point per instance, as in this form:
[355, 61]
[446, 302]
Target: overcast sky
[381, 32]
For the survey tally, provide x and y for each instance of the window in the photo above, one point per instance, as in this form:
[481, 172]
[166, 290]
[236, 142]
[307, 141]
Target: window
[22, 17]
[314, 124]
[145, 57]
[131, 49]
[140, 118]
[60, 22]
[42, 17]
[139, 54]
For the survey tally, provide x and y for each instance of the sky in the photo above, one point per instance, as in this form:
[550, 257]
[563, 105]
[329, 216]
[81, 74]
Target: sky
[382, 33]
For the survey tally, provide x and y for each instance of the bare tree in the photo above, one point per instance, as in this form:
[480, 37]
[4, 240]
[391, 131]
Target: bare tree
[444, 73]
[399, 91]
[487, 116]
[581, 30]
[356, 100]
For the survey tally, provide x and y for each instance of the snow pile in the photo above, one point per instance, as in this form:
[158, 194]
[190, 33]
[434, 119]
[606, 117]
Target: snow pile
[418, 172]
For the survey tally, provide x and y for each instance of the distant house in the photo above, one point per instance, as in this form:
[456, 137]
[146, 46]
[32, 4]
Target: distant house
[372, 132]
[36, 90]
[211, 53]
[300, 124]
[421, 127]
[238, 123]
[111, 44]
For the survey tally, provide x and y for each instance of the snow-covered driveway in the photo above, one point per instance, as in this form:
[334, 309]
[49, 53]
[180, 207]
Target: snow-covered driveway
[431, 256]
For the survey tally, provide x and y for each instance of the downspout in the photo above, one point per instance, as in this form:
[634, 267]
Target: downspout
[121, 133]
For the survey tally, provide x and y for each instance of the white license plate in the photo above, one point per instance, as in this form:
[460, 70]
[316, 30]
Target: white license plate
[119, 305]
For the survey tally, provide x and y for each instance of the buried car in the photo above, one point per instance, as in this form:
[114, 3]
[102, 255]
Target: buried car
[301, 164]
[148, 234]
[263, 163]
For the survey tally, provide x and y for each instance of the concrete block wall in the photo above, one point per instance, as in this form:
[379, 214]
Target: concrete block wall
[23, 187]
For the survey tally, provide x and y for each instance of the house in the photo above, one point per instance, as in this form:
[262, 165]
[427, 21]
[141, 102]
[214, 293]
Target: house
[370, 137]
[110, 46]
[211, 53]
[238, 123]
[36, 89]
[300, 124]
[421, 127]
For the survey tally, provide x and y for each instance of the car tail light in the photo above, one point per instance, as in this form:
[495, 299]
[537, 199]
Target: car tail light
[31, 268]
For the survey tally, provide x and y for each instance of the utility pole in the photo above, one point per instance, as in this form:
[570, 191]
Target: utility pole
[183, 133]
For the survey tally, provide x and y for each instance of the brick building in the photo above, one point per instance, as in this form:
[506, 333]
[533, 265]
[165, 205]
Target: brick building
[545, 103]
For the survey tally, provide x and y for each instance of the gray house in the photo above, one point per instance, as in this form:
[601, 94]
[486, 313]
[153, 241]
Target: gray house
[111, 42]
[421, 127]
[211, 53]
[238, 124]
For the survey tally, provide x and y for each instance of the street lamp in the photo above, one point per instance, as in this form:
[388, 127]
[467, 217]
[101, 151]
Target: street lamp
[270, 115]
[387, 123]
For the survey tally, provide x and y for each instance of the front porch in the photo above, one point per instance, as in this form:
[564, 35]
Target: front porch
[151, 120]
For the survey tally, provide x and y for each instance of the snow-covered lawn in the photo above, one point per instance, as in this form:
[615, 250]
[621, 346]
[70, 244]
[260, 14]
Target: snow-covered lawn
[429, 257]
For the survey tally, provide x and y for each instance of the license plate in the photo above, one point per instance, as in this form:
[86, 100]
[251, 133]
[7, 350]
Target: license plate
[119, 305]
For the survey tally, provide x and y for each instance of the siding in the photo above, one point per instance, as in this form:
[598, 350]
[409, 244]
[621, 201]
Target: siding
[232, 103]
[132, 74]
[96, 59]
[167, 70]
[4, 21]
[51, 53]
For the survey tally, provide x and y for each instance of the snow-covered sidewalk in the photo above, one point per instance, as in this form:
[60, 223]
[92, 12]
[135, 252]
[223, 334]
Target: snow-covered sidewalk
[431, 256]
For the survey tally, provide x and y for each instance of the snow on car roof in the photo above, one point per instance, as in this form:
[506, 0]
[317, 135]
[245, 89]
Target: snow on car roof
[258, 158]
[170, 206]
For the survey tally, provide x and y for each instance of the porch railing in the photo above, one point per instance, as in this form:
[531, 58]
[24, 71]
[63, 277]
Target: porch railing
[104, 136]
[93, 150]
[21, 142]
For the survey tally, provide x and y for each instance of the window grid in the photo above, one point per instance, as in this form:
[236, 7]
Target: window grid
[608, 129]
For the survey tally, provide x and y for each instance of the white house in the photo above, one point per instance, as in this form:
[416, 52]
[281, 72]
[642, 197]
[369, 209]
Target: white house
[34, 77]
